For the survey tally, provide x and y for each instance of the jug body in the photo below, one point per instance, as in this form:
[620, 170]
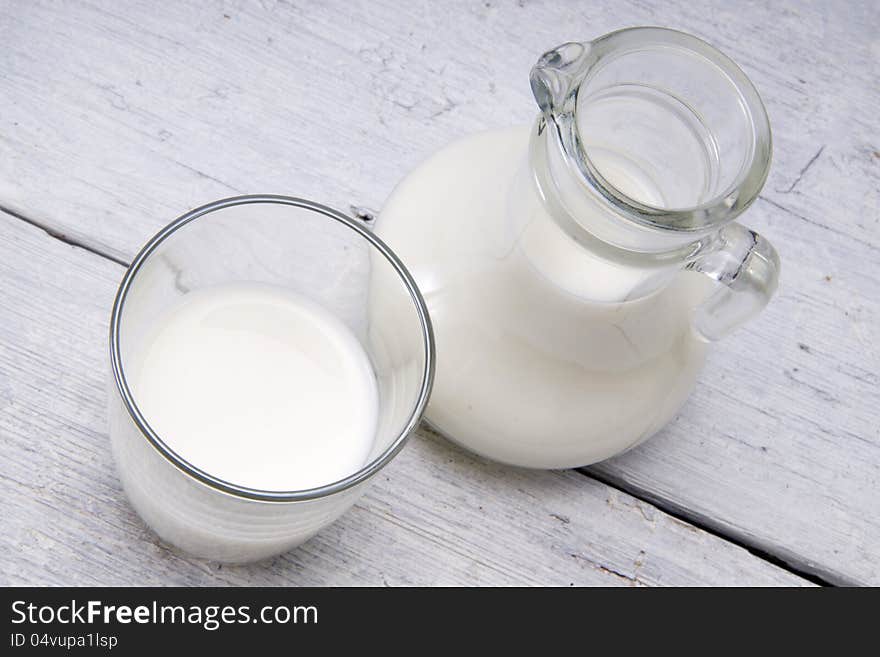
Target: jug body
[561, 265]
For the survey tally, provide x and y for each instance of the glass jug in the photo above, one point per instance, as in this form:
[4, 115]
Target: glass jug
[576, 271]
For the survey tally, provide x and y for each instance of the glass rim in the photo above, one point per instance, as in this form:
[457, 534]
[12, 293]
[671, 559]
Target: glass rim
[221, 485]
[725, 205]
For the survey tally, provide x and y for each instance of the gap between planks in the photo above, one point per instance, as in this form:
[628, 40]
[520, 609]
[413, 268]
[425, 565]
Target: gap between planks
[705, 524]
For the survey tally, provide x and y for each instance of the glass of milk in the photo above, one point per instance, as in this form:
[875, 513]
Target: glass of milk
[255, 389]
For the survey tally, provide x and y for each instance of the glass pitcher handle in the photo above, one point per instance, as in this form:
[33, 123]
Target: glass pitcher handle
[746, 268]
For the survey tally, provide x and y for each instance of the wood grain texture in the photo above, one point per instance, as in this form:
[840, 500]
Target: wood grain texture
[114, 120]
[435, 516]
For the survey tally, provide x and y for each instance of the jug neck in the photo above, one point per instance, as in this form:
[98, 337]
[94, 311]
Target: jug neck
[588, 219]
[649, 140]
[576, 242]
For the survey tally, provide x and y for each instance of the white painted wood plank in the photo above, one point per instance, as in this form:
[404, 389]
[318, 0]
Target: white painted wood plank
[116, 120]
[435, 516]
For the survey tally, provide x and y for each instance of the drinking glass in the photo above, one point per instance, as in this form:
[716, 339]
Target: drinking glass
[311, 250]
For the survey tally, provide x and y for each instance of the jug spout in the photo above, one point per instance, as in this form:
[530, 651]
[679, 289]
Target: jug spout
[556, 75]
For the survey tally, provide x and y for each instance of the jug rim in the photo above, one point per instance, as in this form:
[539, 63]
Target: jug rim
[587, 58]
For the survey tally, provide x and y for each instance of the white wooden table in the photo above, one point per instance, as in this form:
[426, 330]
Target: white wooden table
[116, 117]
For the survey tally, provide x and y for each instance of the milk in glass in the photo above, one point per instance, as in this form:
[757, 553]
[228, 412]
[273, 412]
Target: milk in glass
[258, 386]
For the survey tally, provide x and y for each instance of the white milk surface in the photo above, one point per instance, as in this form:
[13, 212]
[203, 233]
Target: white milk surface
[258, 386]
